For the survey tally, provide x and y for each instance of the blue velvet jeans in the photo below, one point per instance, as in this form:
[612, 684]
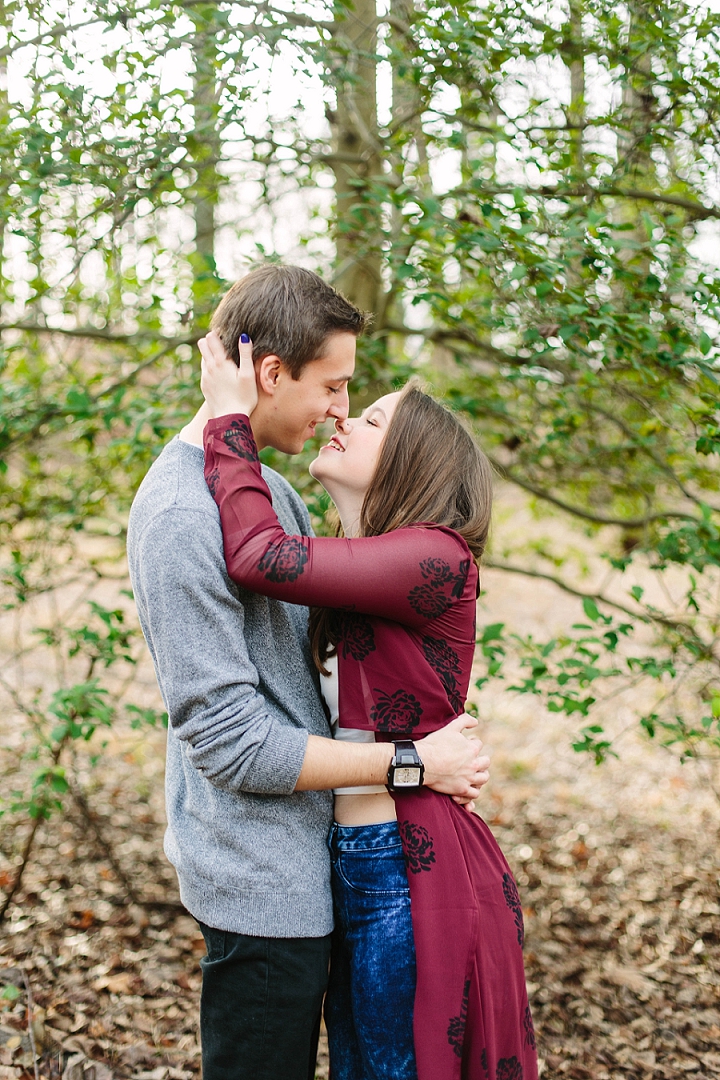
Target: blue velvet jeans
[371, 993]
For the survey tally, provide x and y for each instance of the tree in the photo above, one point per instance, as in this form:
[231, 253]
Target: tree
[523, 194]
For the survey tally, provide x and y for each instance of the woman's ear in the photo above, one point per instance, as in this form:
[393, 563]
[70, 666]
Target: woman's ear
[268, 372]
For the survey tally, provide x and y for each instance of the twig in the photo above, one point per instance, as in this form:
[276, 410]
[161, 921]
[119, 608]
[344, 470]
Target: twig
[10, 896]
[553, 191]
[31, 1033]
[587, 515]
[704, 648]
[90, 819]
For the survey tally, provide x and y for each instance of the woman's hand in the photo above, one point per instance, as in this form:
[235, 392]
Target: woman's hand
[454, 764]
[227, 388]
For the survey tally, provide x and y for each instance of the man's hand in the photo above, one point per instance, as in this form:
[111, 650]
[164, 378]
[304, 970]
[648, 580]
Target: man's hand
[453, 764]
[227, 388]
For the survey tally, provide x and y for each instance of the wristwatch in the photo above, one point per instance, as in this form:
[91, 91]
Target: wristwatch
[406, 769]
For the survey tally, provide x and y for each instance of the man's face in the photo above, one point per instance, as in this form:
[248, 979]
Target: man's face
[296, 406]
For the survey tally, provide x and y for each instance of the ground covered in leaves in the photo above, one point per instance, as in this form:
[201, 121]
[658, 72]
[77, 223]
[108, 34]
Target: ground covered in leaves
[617, 868]
[622, 936]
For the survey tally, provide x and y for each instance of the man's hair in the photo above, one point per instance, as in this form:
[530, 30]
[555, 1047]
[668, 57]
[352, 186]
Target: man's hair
[287, 311]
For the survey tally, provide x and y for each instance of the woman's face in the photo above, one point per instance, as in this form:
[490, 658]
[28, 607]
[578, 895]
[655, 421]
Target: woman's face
[347, 463]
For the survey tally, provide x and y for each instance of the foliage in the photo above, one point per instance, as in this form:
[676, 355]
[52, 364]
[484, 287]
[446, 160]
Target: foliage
[521, 205]
[74, 711]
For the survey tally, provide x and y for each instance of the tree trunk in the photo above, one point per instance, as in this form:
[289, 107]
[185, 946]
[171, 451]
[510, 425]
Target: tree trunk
[205, 150]
[3, 182]
[356, 159]
[576, 111]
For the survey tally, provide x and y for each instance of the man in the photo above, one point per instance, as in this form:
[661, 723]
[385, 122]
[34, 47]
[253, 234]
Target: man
[249, 762]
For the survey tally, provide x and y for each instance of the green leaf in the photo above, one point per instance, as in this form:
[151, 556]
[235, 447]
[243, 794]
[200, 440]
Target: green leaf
[591, 609]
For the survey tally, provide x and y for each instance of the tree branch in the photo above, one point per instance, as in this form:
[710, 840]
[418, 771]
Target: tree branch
[92, 822]
[587, 515]
[703, 648]
[53, 412]
[54, 32]
[91, 332]
[547, 191]
[446, 335]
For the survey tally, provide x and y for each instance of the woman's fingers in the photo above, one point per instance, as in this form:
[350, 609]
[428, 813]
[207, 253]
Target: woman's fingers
[227, 388]
[245, 349]
[246, 371]
[463, 722]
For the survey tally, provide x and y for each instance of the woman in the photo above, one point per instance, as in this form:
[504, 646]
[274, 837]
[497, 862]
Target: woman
[434, 989]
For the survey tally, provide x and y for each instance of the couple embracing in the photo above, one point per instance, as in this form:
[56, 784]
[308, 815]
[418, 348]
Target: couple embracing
[318, 782]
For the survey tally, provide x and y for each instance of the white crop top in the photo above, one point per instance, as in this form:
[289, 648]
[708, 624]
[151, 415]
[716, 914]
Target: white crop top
[330, 691]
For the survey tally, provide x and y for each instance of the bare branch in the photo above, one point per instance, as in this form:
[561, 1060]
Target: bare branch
[447, 335]
[703, 648]
[53, 412]
[31, 1023]
[587, 515]
[555, 191]
[47, 35]
[96, 334]
[93, 823]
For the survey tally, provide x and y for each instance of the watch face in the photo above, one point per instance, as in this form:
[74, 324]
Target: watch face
[406, 776]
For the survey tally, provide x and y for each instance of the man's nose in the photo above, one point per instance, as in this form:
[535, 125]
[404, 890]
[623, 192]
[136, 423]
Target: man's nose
[340, 406]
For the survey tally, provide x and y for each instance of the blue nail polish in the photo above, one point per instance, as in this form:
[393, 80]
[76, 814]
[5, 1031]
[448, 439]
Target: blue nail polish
[244, 339]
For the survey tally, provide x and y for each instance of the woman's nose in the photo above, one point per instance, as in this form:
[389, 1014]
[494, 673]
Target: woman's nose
[342, 426]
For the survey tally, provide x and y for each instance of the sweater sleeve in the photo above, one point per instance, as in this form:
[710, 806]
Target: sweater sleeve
[193, 625]
[410, 575]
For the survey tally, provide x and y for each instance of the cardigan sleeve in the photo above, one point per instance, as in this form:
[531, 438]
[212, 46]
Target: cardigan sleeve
[410, 575]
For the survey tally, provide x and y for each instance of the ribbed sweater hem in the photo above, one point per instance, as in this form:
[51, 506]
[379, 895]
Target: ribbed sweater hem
[259, 914]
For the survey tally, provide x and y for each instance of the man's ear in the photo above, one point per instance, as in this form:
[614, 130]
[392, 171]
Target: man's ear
[268, 372]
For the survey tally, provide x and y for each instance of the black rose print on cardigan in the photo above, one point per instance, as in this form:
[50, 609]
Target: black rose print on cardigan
[212, 481]
[484, 1064]
[399, 712]
[441, 586]
[436, 571]
[460, 579]
[356, 636]
[456, 1029]
[512, 899]
[238, 438]
[284, 561]
[417, 847]
[529, 1029]
[509, 1069]
[427, 601]
[446, 662]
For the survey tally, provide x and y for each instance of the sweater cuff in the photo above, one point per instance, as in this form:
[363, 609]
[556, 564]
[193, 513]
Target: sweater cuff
[277, 764]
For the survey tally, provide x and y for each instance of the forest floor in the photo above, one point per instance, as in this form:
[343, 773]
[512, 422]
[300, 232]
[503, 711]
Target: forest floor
[617, 868]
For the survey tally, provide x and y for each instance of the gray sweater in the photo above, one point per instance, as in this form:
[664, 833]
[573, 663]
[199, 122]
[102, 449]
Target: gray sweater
[237, 679]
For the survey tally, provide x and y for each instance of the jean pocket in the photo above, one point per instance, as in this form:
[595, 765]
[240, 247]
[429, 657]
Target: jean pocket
[215, 942]
[373, 873]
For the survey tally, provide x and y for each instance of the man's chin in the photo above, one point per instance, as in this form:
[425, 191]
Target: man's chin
[288, 442]
[289, 446]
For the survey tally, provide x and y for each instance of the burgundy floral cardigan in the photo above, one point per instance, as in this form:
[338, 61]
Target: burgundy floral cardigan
[407, 637]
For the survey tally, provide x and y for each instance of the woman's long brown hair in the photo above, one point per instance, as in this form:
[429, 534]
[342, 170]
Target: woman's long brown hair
[429, 470]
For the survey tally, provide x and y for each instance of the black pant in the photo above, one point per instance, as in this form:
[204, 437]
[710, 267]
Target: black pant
[260, 1005]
